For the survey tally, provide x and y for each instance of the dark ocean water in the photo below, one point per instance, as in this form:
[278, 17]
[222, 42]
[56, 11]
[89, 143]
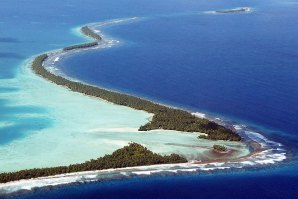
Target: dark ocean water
[236, 65]
[241, 185]
[242, 67]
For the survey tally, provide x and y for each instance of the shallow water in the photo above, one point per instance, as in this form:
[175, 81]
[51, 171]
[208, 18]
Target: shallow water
[102, 129]
[249, 71]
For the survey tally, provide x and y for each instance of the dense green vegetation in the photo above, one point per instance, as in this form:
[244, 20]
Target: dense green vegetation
[179, 120]
[132, 155]
[219, 148]
[164, 117]
[78, 46]
[90, 33]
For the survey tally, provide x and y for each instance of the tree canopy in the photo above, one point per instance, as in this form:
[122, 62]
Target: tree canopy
[129, 156]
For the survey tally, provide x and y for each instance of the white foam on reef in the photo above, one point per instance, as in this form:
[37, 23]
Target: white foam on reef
[271, 151]
[200, 115]
[56, 59]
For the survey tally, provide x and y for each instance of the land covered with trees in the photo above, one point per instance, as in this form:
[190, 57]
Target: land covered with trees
[164, 117]
[219, 148]
[129, 156]
[90, 33]
[78, 46]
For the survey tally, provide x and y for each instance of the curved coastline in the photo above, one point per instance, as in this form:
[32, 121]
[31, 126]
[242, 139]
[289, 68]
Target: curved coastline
[164, 117]
[253, 140]
[185, 167]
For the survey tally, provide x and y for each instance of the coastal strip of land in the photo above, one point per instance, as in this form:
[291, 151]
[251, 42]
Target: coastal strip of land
[129, 156]
[164, 117]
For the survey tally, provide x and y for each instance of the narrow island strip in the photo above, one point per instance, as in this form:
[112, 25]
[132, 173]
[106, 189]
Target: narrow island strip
[129, 156]
[134, 154]
[164, 117]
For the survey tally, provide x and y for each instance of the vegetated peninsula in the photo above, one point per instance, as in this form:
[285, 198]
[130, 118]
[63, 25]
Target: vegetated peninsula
[85, 45]
[129, 156]
[90, 33]
[164, 117]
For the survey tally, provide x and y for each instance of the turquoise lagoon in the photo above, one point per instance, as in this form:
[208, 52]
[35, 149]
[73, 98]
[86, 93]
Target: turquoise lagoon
[42, 124]
[78, 128]
[45, 125]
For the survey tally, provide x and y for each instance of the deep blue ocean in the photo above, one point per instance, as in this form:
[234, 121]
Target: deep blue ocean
[240, 67]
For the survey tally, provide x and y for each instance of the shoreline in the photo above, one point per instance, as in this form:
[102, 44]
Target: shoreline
[256, 150]
[253, 145]
[21, 186]
[164, 117]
